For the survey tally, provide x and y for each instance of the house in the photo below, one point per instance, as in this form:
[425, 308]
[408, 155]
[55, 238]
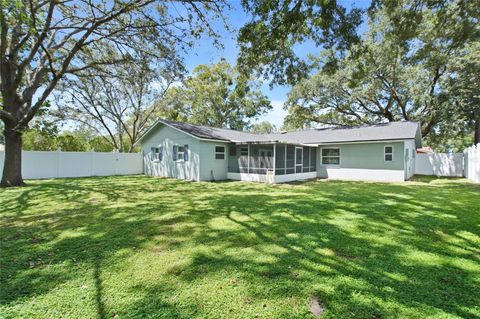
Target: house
[383, 152]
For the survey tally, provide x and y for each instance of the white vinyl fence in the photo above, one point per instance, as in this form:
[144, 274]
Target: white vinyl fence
[472, 163]
[439, 164]
[57, 164]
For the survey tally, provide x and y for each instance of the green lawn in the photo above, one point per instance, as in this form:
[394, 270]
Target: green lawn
[141, 247]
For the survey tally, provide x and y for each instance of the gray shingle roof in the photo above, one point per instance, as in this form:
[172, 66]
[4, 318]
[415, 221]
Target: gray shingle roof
[377, 132]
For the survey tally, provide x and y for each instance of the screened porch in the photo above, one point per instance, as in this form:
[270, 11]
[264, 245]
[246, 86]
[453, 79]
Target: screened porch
[271, 160]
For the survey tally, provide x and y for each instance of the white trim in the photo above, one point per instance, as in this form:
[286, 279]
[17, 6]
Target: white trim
[182, 159]
[339, 156]
[385, 153]
[224, 153]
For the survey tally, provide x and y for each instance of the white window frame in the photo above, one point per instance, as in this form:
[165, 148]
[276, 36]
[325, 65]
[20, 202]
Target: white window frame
[224, 155]
[155, 155]
[182, 157]
[339, 156]
[385, 153]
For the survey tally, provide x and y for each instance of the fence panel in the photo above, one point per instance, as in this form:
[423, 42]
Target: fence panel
[439, 164]
[472, 163]
[57, 164]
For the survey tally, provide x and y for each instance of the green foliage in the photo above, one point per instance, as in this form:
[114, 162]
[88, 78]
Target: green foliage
[45, 135]
[216, 95]
[411, 64]
[263, 127]
[142, 247]
[267, 42]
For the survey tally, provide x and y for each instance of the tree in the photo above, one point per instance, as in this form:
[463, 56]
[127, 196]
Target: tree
[41, 42]
[402, 69]
[465, 84]
[267, 43]
[263, 127]
[216, 95]
[117, 103]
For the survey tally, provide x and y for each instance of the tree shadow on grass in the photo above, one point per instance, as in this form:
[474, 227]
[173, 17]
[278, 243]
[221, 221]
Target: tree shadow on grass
[393, 269]
[365, 249]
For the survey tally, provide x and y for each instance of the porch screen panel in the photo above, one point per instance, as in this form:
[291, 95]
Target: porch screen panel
[242, 152]
[233, 159]
[306, 159]
[261, 158]
[290, 159]
[313, 160]
[280, 159]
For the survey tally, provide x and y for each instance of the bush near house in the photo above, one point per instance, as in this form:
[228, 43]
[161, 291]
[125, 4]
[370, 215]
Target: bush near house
[141, 247]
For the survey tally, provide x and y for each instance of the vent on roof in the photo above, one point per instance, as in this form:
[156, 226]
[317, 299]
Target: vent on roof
[283, 132]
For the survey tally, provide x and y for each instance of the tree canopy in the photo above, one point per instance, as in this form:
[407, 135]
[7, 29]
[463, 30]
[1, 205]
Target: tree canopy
[412, 63]
[263, 127]
[215, 95]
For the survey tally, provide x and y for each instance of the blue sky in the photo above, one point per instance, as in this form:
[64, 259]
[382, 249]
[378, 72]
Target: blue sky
[205, 53]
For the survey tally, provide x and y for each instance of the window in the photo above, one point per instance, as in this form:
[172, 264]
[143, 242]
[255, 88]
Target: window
[219, 152]
[157, 153]
[331, 156]
[233, 151]
[180, 152]
[388, 153]
[244, 151]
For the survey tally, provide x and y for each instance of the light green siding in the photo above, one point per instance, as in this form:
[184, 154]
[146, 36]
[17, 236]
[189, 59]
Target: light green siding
[211, 168]
[364, 156]
[168, 137]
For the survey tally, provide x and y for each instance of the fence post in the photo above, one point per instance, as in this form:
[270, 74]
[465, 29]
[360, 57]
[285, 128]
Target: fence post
[472, 163]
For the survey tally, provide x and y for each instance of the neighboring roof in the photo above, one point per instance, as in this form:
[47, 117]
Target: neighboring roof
[425, 150]
[377, 132]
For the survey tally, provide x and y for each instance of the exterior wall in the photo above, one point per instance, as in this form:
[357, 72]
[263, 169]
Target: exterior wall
[211, 168]
[167, 137]
[57, 164]
[364, 161]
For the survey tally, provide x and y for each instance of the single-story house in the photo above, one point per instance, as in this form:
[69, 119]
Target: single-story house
[382, 152]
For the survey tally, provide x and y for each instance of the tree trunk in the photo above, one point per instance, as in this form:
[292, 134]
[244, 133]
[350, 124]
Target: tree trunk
[12, 168]
[476, 137]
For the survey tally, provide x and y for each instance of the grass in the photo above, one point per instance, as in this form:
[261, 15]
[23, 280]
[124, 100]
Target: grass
[141, 247]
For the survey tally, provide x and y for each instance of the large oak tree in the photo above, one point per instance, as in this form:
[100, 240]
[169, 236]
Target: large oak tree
[405, 65]
[41, 41]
